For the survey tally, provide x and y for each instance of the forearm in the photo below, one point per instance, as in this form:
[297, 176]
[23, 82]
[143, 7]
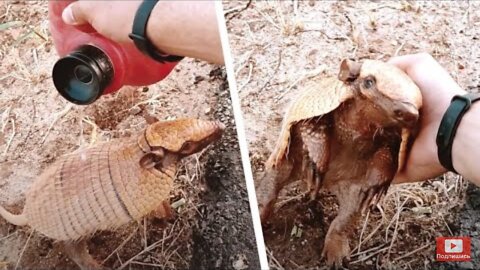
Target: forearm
[187, 28]
[466, 145]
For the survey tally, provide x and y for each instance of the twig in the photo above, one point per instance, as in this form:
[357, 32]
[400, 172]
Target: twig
[23, 250]
[167, 258]
[235, 11]
[146, 264]
[271, 257]
[121, 245]
[149, 248]
[242, 60]
[446, 224]
[270, 76]
[250, 69]
[294, 198]
[369, 250]
[57, 117]
[145, 240]
[411, 252]
[34, 116]
[8, 236]
[363, 230]
[11, 138]
[369, 256]
[399, 48]
[269, 19]
[173, 242]
[384, 6]
[371, 234]
[395, 231]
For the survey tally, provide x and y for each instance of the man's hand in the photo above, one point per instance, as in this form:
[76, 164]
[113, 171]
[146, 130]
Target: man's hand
[437, 88]
[185, 28]
[112, 19]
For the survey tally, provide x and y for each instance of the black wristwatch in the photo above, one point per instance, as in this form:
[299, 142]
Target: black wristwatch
[139, 34]
[449, 124]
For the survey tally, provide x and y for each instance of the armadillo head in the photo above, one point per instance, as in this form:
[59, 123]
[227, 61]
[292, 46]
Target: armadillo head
[388, 88]
[183, 136]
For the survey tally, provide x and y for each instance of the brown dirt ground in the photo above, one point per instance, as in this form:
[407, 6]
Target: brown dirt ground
[277, 46]
[37, 125]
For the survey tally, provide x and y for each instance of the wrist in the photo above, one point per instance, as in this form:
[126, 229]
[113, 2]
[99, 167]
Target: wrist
[466, 138]
[158, 24]
[143, 42]
[438, 111]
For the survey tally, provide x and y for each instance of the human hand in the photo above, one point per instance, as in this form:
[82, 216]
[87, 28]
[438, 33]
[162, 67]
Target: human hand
[186, 28]
[112, 19]
[437, 88]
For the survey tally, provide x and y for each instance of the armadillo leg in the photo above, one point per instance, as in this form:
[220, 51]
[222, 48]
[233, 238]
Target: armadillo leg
[288, 169]
[269, 186]
[315, 140]
[379, 177]
[353, 199]
[336, 246]
[78, 252]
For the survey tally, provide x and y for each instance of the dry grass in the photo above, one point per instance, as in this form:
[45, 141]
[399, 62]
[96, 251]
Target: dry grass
[425, 205]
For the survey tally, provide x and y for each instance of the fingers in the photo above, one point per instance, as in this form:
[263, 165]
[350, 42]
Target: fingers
[405, 62]
[76, 13]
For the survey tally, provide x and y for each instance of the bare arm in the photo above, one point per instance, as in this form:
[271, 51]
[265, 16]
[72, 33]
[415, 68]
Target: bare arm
[438, 88]
[186, 28]
[466, 147]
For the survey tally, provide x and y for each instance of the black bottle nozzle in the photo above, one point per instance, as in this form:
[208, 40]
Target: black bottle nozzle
[82, 76]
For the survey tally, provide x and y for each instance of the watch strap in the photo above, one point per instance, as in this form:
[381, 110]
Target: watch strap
[459, 105]
[139, 33]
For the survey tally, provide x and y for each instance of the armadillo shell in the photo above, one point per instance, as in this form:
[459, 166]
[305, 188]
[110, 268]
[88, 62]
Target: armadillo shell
[94, 189]
[318, 98]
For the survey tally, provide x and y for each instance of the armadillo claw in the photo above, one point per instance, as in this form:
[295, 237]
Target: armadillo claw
[313, 194]
[335, 251]
[164, 211]
[265, 212]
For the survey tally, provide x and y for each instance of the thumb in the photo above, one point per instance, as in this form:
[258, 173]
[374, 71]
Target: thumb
[74, 14]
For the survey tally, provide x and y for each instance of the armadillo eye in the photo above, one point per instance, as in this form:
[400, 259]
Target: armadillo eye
[368, 83]
[187, 146]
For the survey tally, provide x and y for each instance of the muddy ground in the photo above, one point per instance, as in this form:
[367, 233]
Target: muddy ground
[212, 226]
[277, 46]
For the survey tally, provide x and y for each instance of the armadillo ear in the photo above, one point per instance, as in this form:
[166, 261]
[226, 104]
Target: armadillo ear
[149, 160]
[349, 70]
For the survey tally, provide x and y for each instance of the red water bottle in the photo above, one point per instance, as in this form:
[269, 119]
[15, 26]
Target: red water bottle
[92, 65]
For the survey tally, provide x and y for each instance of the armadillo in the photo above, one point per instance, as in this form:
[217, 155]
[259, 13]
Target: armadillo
[112, 183]
[349, 135]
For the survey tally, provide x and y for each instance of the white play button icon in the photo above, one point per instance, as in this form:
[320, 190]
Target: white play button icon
[453, 246]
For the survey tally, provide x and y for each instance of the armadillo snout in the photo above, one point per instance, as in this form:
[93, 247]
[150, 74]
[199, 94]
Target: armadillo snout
[186, 136]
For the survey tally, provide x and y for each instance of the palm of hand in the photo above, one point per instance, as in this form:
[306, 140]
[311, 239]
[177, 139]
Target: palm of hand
[437, 88]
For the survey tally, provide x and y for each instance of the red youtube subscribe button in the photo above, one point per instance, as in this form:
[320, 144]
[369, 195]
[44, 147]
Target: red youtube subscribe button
[453, 249]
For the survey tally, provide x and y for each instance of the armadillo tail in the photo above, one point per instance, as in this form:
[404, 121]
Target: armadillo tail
[19, 220]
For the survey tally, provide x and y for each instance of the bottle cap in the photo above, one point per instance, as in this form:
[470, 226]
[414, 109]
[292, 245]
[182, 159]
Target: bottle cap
[82, 76]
